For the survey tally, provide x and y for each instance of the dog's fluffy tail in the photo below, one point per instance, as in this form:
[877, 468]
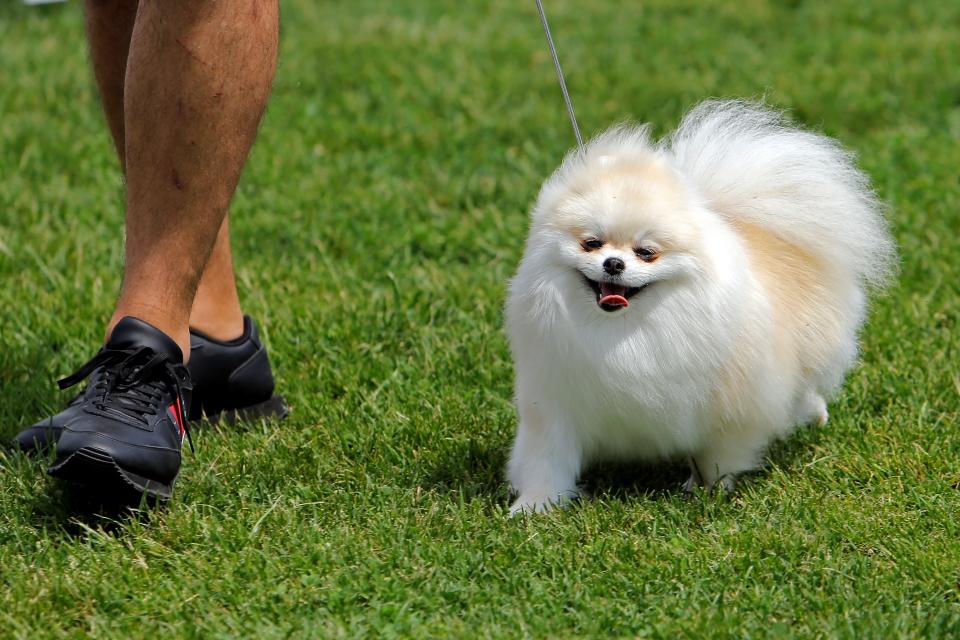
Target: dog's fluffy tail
[752, 166]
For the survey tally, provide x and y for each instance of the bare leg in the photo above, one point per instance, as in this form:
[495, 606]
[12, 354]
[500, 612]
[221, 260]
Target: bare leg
[109, 27]
[197, 78]
[216, 307]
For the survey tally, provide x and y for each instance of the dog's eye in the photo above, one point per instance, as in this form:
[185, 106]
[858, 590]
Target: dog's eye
[591, 243]
[647, 254]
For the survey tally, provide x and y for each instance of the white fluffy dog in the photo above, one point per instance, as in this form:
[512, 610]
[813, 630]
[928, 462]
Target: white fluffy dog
[695, 297]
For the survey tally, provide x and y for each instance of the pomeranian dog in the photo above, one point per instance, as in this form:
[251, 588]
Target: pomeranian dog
[696, 297]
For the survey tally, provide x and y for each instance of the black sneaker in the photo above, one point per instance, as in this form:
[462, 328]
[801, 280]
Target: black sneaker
[232, 381]
[126, 432]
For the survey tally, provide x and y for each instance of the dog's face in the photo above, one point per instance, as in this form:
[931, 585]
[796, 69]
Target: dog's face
[621, 228]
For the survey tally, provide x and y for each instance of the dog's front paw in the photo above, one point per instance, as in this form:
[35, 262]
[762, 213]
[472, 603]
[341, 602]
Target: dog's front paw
[691, 485]
[530, 503]
[525, 505]
[725, 483]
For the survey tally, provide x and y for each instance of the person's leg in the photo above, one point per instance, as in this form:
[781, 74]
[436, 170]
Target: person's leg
[183, 87]
[109, 27]
[216, 307]
[197, 79]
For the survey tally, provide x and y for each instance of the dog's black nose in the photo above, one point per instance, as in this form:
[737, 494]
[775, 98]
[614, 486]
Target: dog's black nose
[614, 266]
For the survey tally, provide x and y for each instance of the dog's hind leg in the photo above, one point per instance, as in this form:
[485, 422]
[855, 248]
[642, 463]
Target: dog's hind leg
[813, 409]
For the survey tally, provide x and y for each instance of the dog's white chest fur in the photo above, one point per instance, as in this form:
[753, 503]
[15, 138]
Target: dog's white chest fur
[624, 387]
[627, 412]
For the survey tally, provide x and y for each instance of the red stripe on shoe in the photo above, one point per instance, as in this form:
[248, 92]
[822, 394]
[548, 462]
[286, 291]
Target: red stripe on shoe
[177, 412]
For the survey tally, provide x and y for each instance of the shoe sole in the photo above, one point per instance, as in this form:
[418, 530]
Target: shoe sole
[94, 467]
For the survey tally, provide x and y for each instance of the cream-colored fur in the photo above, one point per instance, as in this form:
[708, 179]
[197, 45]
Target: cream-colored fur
[766, 239]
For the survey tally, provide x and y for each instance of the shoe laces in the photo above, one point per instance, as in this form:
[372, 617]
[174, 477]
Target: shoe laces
[132, 382]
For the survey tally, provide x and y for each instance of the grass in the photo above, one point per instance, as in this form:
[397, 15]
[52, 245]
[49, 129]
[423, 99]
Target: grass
[380, 215]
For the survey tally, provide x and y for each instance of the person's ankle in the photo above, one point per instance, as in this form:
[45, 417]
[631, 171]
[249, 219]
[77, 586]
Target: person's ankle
[179, 332]
[219, 327]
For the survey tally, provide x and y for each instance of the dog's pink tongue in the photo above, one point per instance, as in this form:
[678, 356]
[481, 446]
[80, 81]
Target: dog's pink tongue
[612, 294]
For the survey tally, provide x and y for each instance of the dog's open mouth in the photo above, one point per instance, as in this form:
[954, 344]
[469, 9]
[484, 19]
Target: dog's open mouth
[612, 296]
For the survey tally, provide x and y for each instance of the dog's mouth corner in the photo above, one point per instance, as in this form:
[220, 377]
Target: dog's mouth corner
[612, 296]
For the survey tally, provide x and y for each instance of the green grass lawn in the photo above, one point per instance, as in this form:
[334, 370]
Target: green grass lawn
[380, 216]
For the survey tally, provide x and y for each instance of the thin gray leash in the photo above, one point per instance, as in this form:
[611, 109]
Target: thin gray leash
[563, 84]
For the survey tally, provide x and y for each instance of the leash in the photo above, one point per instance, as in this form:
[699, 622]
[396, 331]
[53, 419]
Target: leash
[563, 84]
